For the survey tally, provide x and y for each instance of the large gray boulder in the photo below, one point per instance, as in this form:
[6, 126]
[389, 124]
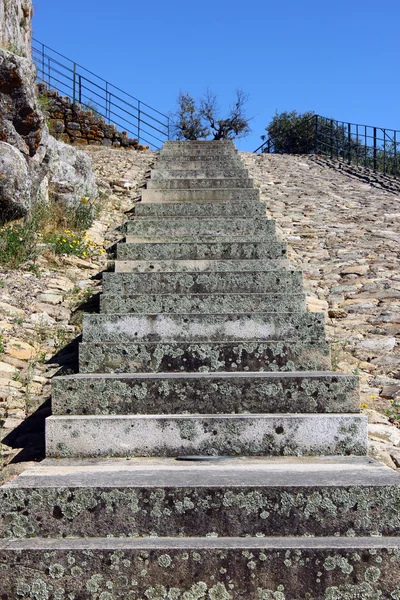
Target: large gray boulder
[39, 162]
[15, 182]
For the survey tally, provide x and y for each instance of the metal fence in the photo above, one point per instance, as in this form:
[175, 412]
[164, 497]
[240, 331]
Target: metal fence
[375, 148]
[92, 92]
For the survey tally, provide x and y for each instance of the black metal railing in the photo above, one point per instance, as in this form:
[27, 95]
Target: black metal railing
[92, 92]
[375, 148]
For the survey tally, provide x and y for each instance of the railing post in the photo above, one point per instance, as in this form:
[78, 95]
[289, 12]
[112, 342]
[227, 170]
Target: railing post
[375, 148]
[395, 155]
[107, 103]
[138, 129]
[80, 88]
[349, 143]
[74, 85]
[384, 151]
[331, 139]
[43, 63]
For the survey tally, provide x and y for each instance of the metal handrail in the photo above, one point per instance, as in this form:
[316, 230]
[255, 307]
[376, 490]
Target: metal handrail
[85, 88]
[372, 147]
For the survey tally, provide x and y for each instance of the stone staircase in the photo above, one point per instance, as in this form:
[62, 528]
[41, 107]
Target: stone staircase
[205, 450]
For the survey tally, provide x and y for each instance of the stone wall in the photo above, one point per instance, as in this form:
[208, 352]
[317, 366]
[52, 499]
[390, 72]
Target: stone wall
[73, 124]
[15, 26]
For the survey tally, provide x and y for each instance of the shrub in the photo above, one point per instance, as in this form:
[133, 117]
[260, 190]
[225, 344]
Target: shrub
[69, 242]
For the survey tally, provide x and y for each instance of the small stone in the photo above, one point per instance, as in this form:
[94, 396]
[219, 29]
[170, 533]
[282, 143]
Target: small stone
[6, 370]
[21, 350]
[11, 310]
[355, 270]
[50, 298]
[337, 313]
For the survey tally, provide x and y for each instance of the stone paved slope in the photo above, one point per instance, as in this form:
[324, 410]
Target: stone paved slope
[344, 233]
[280, 501]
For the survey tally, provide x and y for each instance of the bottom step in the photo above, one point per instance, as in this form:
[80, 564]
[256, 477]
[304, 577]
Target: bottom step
[201, 569]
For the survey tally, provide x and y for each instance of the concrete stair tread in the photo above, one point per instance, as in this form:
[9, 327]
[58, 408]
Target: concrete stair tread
[289, 434]
[203, 303]
[240, 472]
[256, 327]
[238, 355]
[183, 250]
[234, 393]
[232, 209]
[170, 543]
[199, 266]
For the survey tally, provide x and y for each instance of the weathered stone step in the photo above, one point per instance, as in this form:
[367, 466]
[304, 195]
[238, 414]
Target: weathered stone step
[201, 303]
[253, 568]
[238, 498]
[206, 435]
[213, 151]
[160, 174]
[245, 209]
[206, 195]
[173, 164]
[206, 393]
[195, 226]
[251, 327]
[182, 266]
[267, 282]
[198, 184]
[173, 357]
[202, 250]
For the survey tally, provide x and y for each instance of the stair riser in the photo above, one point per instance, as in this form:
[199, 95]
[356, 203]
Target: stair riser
[189, 571]
[234, 435]
[208, 195]
[200, 251]
[307, 327]
[195, 227]
[188, 184]
[278, 282]
[208, 395]
[201, 303]
[182, 266]
[193, 511]
[201, 163]
[159, 174]
[203, 357]
[228, 210]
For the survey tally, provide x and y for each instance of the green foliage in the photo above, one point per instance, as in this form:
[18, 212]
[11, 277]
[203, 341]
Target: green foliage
[199, 120]
[292, 132]
[69, 242]
[188, 120]
[44, 103]
[1, 343]
[17, 244]
[48, 222]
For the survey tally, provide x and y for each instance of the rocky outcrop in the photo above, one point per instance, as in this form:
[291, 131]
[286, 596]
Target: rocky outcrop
[32, 163]
[15, 26]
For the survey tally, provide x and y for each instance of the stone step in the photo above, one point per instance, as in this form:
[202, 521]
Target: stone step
[195, 162]
[246, 327]
[198, 184]
[183, 250]
[206, 393]
[195, 226]
[177, 357]
[245, 209]
[166, 174]
[201, 303]
[181, 266]
[219, 152]
[237, 498]
[217, 144]
[266, 282]
[89, 436]
[253, 568]
[198, 195]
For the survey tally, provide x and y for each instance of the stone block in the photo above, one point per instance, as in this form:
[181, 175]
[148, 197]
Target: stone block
[157, 228]
[202, 250]
[201, 303]
[245, 209]
[246, 327]
[247, 282]
[198, 184]
[199, 195]
[181, 266]
[205, 393]
[174, 357]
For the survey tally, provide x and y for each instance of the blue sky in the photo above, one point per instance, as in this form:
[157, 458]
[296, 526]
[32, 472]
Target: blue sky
[339, 59]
